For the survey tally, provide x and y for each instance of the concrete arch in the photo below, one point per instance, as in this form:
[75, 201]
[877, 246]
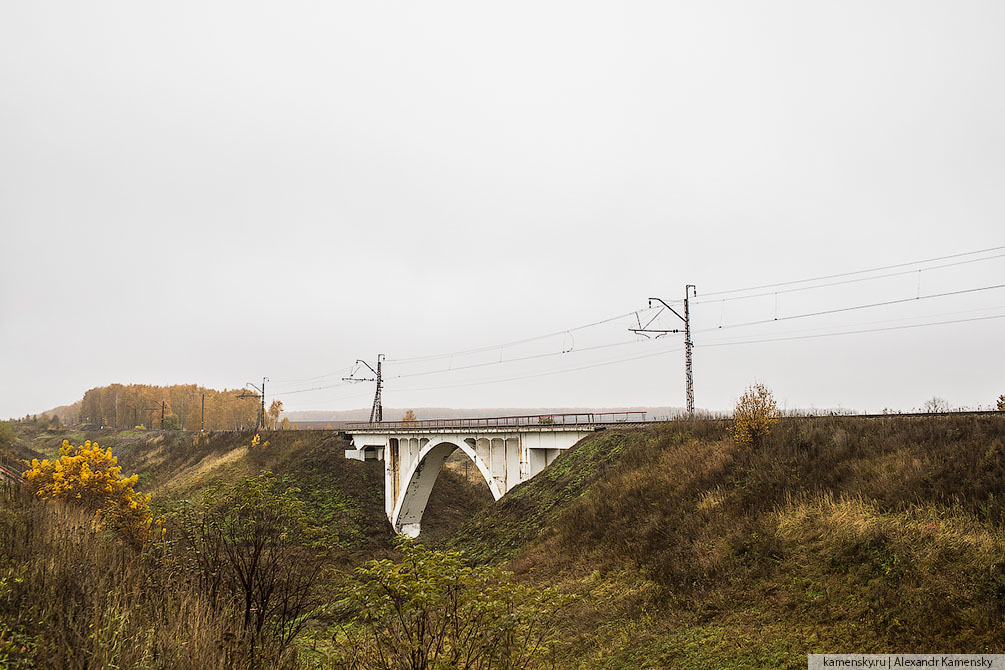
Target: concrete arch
[422, 475]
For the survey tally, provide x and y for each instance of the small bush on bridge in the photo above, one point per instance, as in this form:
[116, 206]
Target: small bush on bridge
[431, 610]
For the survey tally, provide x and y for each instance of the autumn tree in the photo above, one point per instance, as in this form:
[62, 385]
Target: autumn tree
[755, 415]
[275, 409]
[409, 417]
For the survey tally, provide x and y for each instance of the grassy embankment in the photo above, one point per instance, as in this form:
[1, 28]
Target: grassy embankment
[345, 495]
[69, 591]
[838, 534]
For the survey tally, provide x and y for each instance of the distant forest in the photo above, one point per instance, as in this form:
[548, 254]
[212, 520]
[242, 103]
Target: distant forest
[130, 405]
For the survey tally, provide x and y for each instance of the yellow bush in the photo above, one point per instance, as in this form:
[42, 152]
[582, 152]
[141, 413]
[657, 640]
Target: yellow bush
[90, 476]
[755, 415]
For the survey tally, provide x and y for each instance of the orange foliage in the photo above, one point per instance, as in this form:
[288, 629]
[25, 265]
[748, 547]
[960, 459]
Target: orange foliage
[125, 406]
[755, 415]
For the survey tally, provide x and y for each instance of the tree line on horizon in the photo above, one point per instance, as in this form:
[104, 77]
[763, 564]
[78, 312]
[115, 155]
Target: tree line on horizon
[131, 405]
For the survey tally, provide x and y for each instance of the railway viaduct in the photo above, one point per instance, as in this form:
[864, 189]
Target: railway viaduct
[505, 450]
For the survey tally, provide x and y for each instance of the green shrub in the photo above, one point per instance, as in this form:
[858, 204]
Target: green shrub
[244, 543]
[431, 610]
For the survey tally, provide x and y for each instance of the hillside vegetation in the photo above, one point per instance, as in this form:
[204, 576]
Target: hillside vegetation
[165, 604]
[836, 533]
[176, 465]
[679, 547]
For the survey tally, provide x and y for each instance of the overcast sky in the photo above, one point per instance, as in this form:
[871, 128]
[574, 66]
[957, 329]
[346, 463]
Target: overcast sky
[212, 192]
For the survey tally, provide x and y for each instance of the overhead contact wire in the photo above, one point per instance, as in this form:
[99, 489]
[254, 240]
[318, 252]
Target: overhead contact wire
[853, 308]
[855, 272]
[847, 281]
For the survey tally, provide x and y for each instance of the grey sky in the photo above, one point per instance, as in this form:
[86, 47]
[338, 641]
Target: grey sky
[208, 193]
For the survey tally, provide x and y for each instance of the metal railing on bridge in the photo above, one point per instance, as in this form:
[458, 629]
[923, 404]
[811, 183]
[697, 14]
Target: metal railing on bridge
[571, 419]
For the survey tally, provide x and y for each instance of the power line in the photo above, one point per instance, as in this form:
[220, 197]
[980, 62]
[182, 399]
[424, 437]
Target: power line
[310, 379]
[345, 397]
[637, 314]
[851, 332]
[516, 342]
[545, 374]
[897, 320]
[856, 272]
[472, 366]
[433, 357]
[855, 307]
[617, 344]
[516, 360]
[847, 281]
[315, 388]
[713, 344]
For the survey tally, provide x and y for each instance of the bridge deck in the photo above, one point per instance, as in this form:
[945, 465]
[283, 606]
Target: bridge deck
[560, 422]
[536, 422]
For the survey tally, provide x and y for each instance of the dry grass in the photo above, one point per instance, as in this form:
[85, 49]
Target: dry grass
[73, 597]
[686, 507]
[928, 575]
[834, 534]
[191, 476]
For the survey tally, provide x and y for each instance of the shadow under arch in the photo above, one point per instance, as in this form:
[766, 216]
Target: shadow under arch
[420, 479]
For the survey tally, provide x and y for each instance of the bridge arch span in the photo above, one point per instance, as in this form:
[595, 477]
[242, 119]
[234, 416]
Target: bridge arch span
[419, 481]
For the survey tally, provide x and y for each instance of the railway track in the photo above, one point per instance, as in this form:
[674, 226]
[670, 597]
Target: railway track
[10, 474]
[503, 421]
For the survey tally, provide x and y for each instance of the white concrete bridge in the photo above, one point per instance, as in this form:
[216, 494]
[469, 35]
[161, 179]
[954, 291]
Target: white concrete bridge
[505, 450]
